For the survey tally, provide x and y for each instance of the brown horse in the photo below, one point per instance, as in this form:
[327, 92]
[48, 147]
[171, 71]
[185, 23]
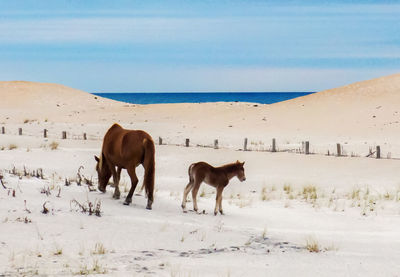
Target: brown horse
[126, 149]
[218, 177]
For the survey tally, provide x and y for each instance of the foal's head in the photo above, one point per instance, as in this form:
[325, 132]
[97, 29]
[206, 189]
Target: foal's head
[103, 172]
[240, 171]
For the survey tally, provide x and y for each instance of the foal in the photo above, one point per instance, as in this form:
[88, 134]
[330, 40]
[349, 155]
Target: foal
[218, 177]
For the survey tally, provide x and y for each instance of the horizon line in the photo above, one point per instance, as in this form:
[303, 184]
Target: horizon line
[166, 92]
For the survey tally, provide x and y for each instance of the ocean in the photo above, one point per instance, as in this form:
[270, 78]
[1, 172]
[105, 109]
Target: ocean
[197, 97]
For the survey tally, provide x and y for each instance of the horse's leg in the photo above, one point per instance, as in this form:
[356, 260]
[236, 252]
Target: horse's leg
[116, 178]
[134, 181]
[218, 200]
[195, 189]
[185, 193]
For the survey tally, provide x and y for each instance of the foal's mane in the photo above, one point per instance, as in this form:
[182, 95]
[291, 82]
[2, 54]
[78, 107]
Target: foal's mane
[232, 167]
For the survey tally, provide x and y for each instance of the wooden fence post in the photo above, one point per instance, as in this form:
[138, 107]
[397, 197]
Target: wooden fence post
[64, 135]
[338, 150]
[159, 141]
[245, 145]
[3, 130]
[84, 136]
[378, 152]
[273, 145]
[216, 144]
[45, 133]
[20, 131]
[187, 142]
[307, 151]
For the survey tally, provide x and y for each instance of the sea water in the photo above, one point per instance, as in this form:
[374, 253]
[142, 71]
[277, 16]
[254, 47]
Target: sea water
[202, 97]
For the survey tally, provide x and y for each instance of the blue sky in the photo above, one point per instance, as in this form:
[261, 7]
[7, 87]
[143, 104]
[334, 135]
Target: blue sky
[164, 46]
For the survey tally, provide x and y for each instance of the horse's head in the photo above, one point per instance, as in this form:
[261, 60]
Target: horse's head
[240, 171]
[103, 172]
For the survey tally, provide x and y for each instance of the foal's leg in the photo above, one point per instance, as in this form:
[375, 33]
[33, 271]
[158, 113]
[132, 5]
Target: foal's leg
[185, 193]
[195, 189]
[116, 178]
[218, 200]
[134, 181]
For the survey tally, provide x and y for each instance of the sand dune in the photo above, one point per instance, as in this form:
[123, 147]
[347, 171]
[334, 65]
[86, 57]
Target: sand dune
[366, 112]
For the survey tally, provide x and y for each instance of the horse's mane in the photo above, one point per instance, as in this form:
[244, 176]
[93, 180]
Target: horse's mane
[101, 161]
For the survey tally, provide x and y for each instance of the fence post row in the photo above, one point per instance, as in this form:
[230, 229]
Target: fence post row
[305, 144]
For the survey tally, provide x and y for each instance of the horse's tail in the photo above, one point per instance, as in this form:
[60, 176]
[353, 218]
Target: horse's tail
[149, 167]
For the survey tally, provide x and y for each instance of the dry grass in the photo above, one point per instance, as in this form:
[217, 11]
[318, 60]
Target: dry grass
[99, 249]
[310, 193]
[312, 245]
[287, 188]
[54, 145]
[12, 146]
[58, 251]
[264, 195]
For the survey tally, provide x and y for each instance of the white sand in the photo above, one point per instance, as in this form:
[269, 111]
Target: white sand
[354, 214]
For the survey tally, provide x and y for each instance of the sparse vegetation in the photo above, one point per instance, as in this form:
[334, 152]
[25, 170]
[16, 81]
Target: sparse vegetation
[88, 207]
[96, 268]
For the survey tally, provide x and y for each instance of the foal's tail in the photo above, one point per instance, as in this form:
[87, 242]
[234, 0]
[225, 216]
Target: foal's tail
[190, 172]
[149, 167]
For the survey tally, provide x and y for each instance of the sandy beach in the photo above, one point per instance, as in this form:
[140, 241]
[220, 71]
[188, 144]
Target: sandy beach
[295, 215]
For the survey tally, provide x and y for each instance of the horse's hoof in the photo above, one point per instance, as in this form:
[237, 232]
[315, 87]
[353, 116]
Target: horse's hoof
[215, 213]
[148, 207]
[127, 201]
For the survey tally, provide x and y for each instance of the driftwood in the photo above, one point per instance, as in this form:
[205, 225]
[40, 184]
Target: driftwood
[370, 154]
[45, 210]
